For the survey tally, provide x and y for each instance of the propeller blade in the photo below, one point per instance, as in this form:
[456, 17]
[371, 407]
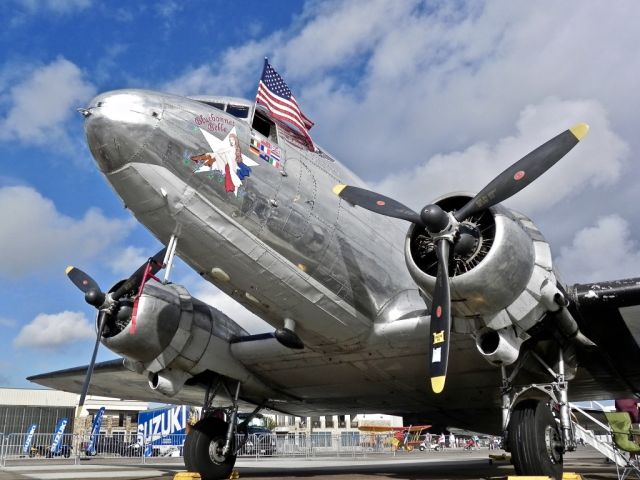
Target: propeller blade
[134, 280]
[440, 320]
[87, 377]
[81, 279]
[376, 203]
[524, 171]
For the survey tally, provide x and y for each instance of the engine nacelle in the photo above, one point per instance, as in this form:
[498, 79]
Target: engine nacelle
[176, 336]
[504, 281]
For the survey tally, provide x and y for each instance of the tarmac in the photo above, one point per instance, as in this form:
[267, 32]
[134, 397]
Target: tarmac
[456, 464]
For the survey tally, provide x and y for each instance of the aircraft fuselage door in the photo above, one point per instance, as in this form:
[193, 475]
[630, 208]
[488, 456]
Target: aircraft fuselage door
[296, 198]
[264, 181]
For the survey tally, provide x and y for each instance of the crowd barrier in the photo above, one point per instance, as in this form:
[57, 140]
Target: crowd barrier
[73, 448]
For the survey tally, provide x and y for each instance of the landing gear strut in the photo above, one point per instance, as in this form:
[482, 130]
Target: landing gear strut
[210, 447]
[533, 432]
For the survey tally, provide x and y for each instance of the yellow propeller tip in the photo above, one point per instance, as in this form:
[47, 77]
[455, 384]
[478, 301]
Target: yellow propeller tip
[68, 269]
[580, 130]
[338, 189]
[437, 384]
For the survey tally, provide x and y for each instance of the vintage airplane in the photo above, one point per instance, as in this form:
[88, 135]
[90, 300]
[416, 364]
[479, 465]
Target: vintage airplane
[365, 313]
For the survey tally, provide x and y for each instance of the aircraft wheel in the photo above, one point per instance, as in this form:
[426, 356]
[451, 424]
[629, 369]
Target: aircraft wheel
[535, 440]
[203, 450]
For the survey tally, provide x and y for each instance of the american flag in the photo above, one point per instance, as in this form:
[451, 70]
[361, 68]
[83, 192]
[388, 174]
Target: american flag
[274, 94]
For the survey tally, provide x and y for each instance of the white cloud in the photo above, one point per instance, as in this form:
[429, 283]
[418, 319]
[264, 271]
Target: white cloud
[209, 294]
[7, 322]
[128, 260]
[596, 160]
[342, 30]
[56, 6]
[444, 79]
[237, 66]
[167, 8]
[602, 252]
[55, 330]
[338, 33]
[35, 236]
[42, 104]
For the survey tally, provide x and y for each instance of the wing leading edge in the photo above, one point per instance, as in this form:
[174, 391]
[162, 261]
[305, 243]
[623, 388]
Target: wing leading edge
[112, 379]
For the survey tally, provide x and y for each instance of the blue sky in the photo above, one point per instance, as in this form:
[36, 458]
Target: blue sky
[418, 98]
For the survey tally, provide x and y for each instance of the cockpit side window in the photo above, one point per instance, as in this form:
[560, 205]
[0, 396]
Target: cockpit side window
[265, 126]
[238, 111]
[219, 106]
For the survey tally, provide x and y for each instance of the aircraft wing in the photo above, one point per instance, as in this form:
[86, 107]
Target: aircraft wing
[609, 314]
[112, 379]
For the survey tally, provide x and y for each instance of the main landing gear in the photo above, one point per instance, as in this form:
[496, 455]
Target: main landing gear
[536, 421]
[210, 447]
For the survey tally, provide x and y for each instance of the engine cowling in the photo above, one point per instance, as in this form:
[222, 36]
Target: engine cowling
[500, 285]
[177, 336]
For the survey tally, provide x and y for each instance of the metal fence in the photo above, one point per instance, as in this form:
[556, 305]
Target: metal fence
[73, 448]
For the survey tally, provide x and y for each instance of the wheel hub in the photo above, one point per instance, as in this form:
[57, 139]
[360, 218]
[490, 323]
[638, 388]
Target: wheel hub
[215, 450]
[553, 444]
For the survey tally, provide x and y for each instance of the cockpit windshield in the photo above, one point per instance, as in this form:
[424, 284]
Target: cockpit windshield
[238, 111]
[238, 107]
[219, 106]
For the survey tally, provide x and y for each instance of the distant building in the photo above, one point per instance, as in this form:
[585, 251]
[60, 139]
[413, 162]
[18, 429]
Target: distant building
[332, 424]
[22, 407]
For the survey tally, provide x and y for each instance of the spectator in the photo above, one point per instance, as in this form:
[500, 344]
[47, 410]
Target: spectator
[629, 405]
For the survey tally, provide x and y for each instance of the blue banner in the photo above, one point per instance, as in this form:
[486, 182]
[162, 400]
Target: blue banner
[162, 427]
[57, 436]
[95, 429]
[27, 440]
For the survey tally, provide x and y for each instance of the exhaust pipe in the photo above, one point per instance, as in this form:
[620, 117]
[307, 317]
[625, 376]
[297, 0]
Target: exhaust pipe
[168, 381]
[499, 347]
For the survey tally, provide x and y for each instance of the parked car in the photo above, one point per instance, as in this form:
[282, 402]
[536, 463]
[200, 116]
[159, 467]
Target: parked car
[261, 441]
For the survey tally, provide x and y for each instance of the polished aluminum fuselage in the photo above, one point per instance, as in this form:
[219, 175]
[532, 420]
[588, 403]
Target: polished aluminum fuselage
[286, 247]
[284, 239]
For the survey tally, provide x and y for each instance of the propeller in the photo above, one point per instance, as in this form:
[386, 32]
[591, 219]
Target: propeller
[107, 303]
[447, 229]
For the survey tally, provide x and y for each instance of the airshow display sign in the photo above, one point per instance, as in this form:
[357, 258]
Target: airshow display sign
[28, 438]
[162, 428]
[58, 435]
[95, 430]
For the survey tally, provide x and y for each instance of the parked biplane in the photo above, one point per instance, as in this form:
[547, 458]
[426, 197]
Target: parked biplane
[401, 438]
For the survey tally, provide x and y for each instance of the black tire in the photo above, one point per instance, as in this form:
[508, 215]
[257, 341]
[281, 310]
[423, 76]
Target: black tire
[202, 450]
[535, 440]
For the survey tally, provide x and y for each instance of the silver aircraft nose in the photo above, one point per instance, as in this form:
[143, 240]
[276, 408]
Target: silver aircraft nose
[119, 124]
